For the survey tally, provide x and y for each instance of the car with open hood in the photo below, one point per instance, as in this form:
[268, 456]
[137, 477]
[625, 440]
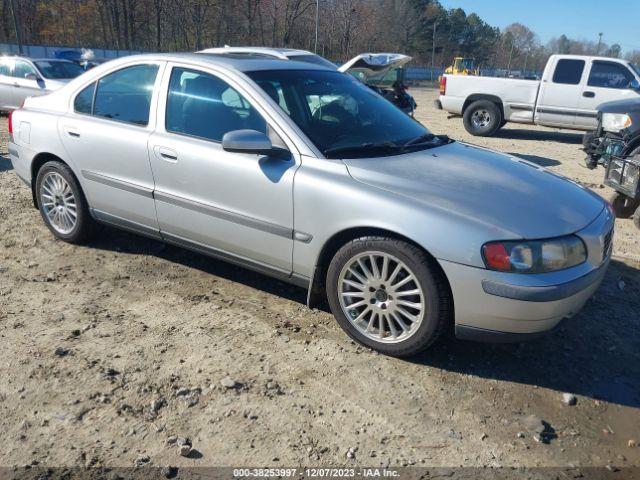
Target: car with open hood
[304, 174]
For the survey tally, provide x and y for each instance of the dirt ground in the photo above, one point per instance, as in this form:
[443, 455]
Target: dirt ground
[111, 349]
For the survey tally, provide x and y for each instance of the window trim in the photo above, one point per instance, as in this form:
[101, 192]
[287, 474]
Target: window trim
[555, 70]
[151, 121]
[609, 62]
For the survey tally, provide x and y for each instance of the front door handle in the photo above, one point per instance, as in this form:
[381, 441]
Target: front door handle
[588, 94]
[166, 154]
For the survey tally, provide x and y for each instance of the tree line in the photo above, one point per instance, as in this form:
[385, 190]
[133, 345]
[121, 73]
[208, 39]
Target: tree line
[423, 29]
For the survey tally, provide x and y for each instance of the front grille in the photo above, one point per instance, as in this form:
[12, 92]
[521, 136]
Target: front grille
[623, 175]
[608, 243]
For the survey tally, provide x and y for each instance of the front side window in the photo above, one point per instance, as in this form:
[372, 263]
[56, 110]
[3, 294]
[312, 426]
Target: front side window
[4, 68]
[341, 116]
[201, 105]
[125, 95]
[609, 75]
[568, 71]
[21, 69]
[58, 70]
[83, 102]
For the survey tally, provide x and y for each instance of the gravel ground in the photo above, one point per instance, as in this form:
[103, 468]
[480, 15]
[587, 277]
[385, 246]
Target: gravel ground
[112, 350]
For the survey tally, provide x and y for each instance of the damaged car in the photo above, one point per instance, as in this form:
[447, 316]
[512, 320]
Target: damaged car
[615, 145]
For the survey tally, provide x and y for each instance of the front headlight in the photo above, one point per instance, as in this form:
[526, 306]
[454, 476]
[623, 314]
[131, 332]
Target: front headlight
[614, 122]
[535, 256]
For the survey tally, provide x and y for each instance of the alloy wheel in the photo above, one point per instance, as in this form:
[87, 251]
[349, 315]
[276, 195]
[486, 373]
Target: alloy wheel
[59, 203]
[381, 297]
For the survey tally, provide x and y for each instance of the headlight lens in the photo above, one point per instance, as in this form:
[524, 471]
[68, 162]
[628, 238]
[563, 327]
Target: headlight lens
[614, 122]
[536, 256]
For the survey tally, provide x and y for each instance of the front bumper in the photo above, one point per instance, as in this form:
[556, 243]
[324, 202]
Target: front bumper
[498, 306]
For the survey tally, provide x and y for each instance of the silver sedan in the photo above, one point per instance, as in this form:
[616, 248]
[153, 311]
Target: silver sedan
[304, 174]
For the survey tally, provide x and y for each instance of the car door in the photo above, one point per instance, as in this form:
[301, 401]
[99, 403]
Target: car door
[235, 205]
[559, 95]
[27, 82]
[6, 84]
[106, 134]
[607, 81]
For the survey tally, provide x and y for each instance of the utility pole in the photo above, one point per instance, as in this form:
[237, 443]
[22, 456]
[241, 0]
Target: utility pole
[15, 26]
[599, 43]
[433, 49]
[315, 46]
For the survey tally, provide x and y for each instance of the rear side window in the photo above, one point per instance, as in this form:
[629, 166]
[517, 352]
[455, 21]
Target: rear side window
[125, 95]
[568, 71]
[609, 75]
[84, 100]
[205, 106]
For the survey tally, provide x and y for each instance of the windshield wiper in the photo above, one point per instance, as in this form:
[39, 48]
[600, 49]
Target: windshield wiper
[436, 140]
[364, 147]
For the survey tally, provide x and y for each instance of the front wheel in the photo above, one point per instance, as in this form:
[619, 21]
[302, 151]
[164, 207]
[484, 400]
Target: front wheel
[482, 118]
[388, 295]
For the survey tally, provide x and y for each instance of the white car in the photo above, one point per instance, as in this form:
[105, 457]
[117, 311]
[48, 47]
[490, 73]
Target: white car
[568, 96]
[21, 78]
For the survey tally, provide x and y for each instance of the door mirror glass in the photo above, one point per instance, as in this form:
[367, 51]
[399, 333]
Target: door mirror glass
[634, 84]
[247, 141]
[30, 76]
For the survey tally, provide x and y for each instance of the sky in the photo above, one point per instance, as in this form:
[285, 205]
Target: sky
[618, 20]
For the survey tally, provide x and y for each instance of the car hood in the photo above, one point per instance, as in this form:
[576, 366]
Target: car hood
[374, 64]
[508, 195]
[51, 84]
[621, 106]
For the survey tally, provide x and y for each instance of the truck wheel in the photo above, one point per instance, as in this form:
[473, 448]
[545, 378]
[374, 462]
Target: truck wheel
[388, 295]
[623, 206]
[482, 118]
[62, 204]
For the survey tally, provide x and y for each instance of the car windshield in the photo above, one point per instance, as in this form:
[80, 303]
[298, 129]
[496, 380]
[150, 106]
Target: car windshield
[343, 117]
[58, 70]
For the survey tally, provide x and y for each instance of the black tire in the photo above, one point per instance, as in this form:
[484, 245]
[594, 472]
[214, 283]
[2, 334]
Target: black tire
[482, 118]
[623, 206]
[636, 218]
[85, 224]
[438, 309]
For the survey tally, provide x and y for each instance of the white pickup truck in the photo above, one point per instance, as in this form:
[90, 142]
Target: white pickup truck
[568, 95]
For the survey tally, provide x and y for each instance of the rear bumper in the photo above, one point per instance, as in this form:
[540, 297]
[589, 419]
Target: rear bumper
[21, 160]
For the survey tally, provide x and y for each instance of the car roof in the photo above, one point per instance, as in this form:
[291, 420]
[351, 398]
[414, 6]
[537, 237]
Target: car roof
[29, 59]
[242, 63]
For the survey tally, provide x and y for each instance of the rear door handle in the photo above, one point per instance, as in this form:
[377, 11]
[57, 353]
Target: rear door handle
[588, 94]
[72, 132]
[166, 154]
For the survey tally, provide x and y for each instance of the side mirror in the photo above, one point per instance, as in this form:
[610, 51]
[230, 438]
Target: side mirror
[634, 84]
[31, 76]
[247, 141]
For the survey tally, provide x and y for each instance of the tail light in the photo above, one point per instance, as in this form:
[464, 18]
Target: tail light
[443, 85]
[10, 122]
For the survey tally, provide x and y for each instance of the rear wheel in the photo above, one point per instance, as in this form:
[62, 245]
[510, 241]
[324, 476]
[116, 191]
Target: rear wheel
[62, 204]
[623, 206]
[388, 295]
[482, 118]
[636, 218]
